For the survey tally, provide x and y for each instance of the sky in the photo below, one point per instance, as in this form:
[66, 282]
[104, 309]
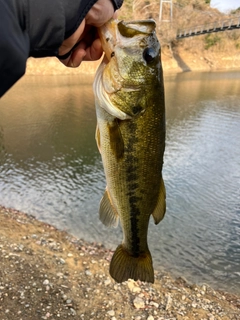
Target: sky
[225, 5]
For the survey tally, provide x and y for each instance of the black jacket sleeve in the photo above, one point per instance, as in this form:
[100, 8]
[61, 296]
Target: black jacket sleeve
[36, 28]
[14, 47]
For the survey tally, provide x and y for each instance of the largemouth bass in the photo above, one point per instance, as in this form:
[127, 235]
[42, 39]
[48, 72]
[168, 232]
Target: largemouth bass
[130, 107]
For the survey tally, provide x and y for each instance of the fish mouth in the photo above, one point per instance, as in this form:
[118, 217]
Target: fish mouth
[108, 36]
[111, 32]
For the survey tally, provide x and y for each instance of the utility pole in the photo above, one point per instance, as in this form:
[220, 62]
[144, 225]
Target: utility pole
[170, 5]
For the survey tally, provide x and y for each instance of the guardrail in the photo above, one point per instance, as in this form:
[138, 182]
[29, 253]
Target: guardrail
[216, 26]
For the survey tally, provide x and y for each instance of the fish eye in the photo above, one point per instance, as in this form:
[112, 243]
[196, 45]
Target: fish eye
[149, 54]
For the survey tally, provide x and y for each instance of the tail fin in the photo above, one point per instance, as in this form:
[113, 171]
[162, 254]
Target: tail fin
[124, 266]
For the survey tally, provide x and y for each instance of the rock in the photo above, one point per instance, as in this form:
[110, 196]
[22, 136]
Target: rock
[62, 261]
[133, 287]
[138, 303]
[204, 288]
[107, 282]
[60, 274]
[155, 304]
[169, 302]
[73, 312]
[111, 313]
[64, 297]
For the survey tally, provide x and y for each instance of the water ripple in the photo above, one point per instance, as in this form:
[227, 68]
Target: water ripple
[53, 169]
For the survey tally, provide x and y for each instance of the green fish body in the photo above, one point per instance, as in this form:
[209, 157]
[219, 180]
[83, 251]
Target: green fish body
[130, 107]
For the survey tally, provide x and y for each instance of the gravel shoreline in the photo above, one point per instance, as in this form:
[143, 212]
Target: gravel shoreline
[48, 274]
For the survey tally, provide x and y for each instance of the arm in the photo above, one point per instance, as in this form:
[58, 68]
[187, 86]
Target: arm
[38, 28]
[14, 47]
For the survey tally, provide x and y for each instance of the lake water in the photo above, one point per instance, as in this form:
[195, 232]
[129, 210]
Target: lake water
[50, 167]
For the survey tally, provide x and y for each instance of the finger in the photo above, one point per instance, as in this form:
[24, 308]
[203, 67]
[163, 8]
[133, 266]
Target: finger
[68, 44]
[115, 15]
[94, 52]
[77, 57]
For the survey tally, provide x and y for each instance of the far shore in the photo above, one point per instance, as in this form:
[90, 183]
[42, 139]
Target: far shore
[51, 66]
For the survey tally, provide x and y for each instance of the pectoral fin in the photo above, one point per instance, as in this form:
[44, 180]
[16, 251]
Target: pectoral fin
[116, 139]
[107, 213]
[160, 208]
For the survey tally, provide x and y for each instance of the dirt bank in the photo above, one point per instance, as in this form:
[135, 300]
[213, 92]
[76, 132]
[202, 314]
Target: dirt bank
[48, 274]
[52, 66]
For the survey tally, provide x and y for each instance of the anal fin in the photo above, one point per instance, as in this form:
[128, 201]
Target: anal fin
[107, 213]
[160, 208]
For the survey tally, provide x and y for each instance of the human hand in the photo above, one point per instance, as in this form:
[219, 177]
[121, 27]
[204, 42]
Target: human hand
[84, 43]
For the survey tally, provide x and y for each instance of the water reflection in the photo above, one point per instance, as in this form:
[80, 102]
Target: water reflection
[50, 167]
[202, 170]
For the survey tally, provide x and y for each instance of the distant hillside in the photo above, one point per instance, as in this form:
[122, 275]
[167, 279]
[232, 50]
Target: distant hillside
[206, 52]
